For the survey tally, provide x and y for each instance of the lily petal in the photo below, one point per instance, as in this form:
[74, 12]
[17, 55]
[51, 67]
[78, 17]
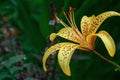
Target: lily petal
[66, 33]
[64, 57]
[99, 20]
[53, 36]
[91, 40]
[108, 41]
[50, 51]
[85, 24]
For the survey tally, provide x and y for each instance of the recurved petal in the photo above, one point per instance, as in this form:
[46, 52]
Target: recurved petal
[64, 57]
[108, 42]
[85, 24]
[50, 51]
[53, 36]
[66, 33]
[99, 20]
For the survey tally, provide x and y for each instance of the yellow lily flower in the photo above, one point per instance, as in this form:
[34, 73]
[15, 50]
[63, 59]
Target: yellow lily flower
[84, 40]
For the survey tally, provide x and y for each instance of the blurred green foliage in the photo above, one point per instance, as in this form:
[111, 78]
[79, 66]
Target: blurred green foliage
[23, 60]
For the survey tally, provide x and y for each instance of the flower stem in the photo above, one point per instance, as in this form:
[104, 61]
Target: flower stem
[104, 58]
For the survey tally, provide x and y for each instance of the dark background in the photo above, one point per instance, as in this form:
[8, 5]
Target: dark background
[25, 26]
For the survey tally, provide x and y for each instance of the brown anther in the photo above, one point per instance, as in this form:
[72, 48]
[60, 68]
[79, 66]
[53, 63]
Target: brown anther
[71, 9]
[55, 16]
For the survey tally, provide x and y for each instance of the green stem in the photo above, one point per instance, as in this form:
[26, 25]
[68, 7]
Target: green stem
[104, 58]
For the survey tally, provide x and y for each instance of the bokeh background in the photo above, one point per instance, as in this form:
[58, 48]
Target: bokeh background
[25, 26]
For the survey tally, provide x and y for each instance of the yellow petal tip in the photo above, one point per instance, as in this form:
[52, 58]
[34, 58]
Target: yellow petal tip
[53, 36]
[45, 69]
[112, 54]
[68, 74]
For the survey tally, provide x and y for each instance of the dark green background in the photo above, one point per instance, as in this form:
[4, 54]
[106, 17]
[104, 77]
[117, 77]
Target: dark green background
[32, 18]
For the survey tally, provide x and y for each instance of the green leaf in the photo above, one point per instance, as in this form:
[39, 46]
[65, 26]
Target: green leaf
[1, 67]
[14, 60]
[13, 70]
[29, 78]
[4, 75]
